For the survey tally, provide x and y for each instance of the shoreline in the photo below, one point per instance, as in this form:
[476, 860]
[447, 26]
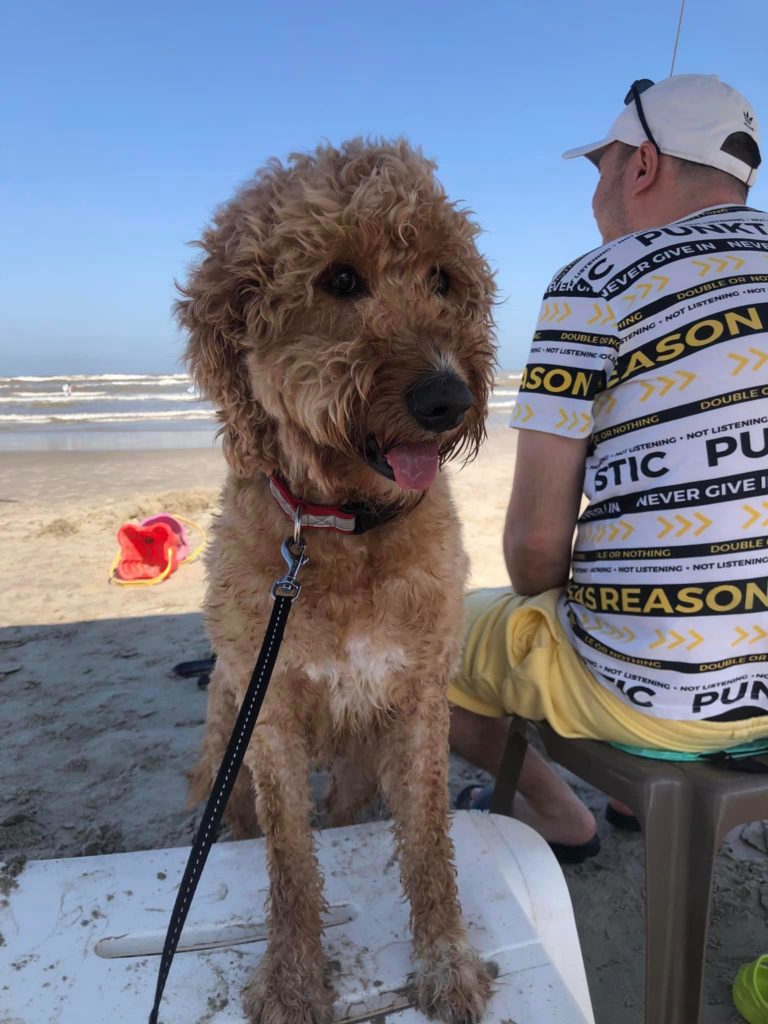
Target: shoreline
[117, 437]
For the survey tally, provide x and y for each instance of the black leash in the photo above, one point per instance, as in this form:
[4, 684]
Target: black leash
[284, 591]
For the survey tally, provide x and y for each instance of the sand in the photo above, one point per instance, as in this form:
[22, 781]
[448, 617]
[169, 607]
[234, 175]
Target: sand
[96, 732]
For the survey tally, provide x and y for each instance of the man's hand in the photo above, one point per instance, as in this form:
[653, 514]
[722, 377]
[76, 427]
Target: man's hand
[543, 509]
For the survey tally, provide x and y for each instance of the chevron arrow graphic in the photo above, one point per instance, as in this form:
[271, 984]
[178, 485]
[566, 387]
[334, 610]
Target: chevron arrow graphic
[743, 635]
[605, 402]
[704, 523]
[685, 527]
[672, 639]
[658, 641]
[754, 515]
[742, 361]
[697, 639]
[667, 527]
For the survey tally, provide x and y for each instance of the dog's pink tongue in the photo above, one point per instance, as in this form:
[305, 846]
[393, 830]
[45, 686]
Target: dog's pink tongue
[414, 465]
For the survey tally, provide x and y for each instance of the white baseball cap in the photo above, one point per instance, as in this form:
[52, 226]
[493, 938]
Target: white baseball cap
[694, 117]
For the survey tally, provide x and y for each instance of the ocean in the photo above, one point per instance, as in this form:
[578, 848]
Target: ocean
[114, 411]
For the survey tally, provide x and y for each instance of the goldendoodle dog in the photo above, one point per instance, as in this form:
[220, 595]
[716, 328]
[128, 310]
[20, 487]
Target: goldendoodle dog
[341, 322]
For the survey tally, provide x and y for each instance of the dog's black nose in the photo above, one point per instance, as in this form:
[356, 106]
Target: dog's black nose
[438, 401]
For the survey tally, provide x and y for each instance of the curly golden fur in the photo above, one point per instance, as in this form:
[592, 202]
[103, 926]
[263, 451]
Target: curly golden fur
[302, 378]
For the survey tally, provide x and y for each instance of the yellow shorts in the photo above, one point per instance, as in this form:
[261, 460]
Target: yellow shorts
[518, 660]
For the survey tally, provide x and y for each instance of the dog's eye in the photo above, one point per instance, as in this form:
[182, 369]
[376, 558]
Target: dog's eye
[440, 281]
[344, 282]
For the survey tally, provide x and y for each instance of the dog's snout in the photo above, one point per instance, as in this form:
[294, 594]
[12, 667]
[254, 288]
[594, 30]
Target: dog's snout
[438, 402]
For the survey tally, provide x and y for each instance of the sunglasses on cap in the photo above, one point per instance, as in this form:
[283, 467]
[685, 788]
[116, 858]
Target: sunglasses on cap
[639, 86]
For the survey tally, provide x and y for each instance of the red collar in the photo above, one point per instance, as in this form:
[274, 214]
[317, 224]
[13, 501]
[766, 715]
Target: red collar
[344, 519]
[321, 517]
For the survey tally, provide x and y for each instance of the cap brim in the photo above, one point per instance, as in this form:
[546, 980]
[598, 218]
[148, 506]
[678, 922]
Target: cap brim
[588, 150]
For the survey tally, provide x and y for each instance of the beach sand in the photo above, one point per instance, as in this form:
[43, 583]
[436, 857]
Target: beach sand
[96, 732]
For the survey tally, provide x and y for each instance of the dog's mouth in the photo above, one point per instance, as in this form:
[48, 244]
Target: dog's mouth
[412, 466]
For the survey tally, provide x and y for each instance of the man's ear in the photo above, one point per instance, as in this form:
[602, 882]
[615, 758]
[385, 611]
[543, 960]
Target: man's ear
[644, 168]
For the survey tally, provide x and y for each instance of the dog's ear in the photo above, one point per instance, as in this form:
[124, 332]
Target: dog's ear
[221, 297]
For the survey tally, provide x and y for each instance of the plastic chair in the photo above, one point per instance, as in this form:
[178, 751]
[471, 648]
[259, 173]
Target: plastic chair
[685, 809]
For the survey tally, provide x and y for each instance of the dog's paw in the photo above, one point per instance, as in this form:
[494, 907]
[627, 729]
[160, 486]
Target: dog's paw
[290, 994]
[453, 986]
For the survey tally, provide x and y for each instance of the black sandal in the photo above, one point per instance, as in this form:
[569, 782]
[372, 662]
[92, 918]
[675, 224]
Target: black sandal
[202, 669]
[619, 820]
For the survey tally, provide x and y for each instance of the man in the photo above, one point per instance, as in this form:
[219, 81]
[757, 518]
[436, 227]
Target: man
[647, 389]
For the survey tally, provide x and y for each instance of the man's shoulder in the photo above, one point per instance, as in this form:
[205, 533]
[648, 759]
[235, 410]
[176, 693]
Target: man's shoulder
[588, 273]
[610, 268]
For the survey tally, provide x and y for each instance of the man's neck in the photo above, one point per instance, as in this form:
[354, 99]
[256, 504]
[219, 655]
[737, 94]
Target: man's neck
[711, 203]
[677, 211]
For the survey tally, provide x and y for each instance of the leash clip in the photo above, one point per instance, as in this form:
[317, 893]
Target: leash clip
[297, 524]
[293, 551]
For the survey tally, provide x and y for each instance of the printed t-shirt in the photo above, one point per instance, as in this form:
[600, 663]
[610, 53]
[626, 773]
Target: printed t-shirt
[656, 346]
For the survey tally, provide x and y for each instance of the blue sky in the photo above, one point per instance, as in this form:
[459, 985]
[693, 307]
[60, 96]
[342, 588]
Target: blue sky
[126, 124]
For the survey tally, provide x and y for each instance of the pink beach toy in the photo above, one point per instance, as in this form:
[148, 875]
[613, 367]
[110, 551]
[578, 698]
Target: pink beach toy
[172, 523]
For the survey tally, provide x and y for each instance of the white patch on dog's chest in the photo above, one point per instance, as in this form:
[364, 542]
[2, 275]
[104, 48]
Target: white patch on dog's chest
[359, 682]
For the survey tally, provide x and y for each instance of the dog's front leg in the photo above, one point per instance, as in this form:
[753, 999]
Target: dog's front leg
[451, 982]
[288, 987]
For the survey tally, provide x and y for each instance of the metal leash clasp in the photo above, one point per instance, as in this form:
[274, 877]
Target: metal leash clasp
[293, 551]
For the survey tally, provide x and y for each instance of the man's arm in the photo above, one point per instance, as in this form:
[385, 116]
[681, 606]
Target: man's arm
[543, 509]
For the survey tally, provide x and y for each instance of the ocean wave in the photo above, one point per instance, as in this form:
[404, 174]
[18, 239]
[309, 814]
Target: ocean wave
[47, 397]
[159, 382]
[82, 377]
[112, 417]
